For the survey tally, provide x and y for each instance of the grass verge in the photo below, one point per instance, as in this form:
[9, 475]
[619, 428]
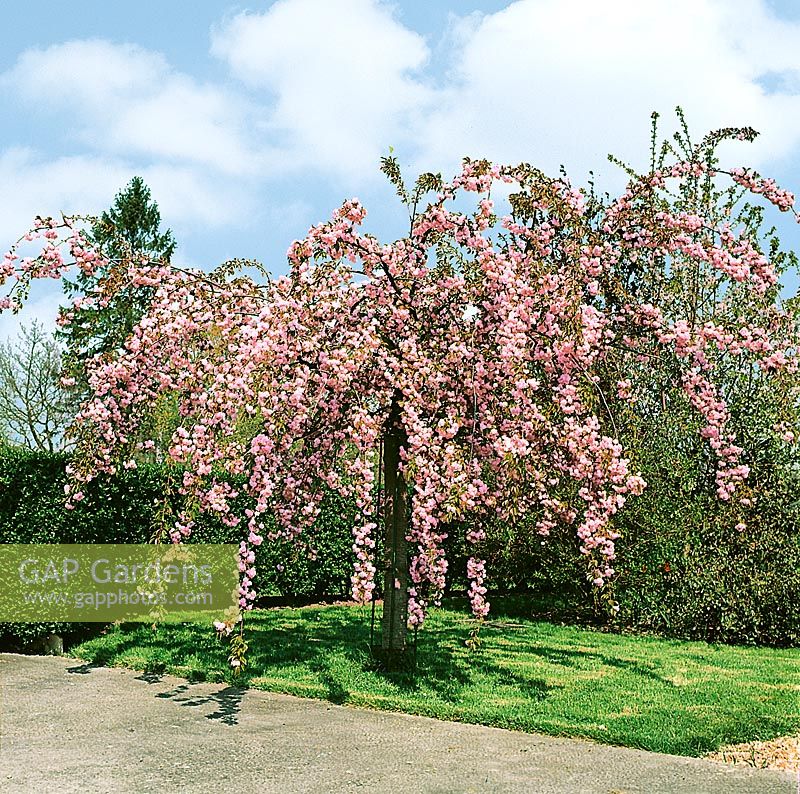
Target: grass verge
[668, 696]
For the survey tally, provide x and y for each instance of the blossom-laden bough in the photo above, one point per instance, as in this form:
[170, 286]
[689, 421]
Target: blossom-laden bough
[492, 347]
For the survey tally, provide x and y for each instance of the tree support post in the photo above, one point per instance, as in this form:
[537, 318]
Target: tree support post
[394, 623]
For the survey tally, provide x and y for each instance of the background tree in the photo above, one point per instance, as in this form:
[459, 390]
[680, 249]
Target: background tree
[105, 305]
[35, 410]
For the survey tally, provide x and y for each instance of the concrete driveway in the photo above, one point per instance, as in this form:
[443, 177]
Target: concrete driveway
[69, 727]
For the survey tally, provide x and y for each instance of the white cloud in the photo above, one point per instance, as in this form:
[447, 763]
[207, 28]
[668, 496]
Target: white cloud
[87, 73]
[344, 79]
[88, 184]
[38, 186]
[189, 196]
[550, 82]
[322, 89]
[325, 88]
[122, 99]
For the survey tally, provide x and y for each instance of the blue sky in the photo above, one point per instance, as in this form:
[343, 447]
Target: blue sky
[252, 121]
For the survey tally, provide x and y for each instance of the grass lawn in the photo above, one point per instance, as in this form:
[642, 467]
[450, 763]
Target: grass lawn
[664, 695]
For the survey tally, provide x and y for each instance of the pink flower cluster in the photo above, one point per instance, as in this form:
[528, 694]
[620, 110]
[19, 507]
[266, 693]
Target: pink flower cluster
[782, 199]
[476, 572]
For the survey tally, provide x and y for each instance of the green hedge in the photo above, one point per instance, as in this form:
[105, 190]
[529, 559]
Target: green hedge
[682, 571]
[121, 510]
[686, 572]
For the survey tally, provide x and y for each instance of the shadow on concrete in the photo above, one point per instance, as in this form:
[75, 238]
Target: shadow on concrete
[227, 701]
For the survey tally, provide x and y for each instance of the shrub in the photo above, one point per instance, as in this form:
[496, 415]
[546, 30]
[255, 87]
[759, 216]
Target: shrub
[682, 568]
[122, 509]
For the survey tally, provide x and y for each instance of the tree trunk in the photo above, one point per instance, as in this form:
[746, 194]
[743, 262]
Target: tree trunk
[394, 628]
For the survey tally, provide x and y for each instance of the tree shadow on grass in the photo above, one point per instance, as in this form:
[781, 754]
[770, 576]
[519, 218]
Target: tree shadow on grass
[446, 659]
[326, 653]
[442, 667]
[334, 644]
[337, 693]
[328, 644]
[101, 657]
[322, 647]
[170, 644]
[578, 659]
